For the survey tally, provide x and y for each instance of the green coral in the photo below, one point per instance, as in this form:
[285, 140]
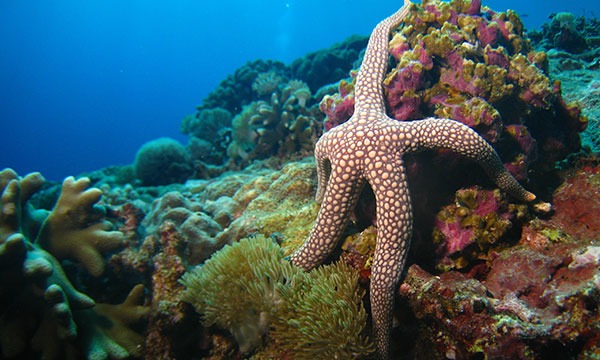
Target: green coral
[75, 230]
[106, 332]
[206, 123]
[162, 161]
[281, 126]
[251, 290]
[41, 309]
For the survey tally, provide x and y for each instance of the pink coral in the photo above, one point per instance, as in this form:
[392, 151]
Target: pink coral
[485, 75]
[471, 226]
[458, 236]
[338, 108]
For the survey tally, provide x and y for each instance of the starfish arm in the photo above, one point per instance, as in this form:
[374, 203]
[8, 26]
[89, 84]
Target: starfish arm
[394, 231]
[435, 133]
[368, 89]
[339, 200]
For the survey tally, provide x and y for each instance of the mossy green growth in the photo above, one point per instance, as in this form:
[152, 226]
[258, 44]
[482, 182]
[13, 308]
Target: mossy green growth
[249, 289]
[554, 235]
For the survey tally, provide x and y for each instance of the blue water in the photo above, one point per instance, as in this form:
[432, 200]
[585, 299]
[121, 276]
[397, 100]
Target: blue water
[85, 83]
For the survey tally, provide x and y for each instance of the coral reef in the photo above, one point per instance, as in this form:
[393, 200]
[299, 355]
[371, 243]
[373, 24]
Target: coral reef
[162, 161]
[210, 133]
[577, 70]
[329, 65]
[197, 228]
[236, 91]
[198, 268]
[272, 203]
[283, 126]
[250, 290]
[474, 223]
[106, 329]
[485, 75]
[339, 107]
[273, 109]
[537, 299]
[567, 32]
[167, 322]
[42, 312]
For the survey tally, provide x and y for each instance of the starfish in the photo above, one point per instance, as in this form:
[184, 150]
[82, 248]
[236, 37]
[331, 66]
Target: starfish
[369, 147]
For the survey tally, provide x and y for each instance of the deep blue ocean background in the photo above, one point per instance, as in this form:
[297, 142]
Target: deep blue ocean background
[86, 83]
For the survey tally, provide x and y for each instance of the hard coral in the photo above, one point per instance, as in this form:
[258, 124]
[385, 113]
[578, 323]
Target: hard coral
[167, 320]
[467, 229]
[330, 65]
[162, 161]
[209, 131]
[235, 91]
[274, 203]
[485, 75]
[539, 298]
[197, 229]
[281, 127]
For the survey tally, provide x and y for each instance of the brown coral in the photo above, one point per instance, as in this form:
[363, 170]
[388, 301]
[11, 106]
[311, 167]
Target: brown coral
[73, 229]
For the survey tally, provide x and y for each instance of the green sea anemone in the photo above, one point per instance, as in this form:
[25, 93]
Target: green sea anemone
[250, 290]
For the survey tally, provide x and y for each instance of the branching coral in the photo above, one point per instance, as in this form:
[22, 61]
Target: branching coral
[250, 289]
[280, 127]
[41, 308]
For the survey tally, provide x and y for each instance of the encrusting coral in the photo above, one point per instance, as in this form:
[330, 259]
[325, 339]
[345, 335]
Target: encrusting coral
[485, 75]
[40, 307]
[474, 224]
[538, 298]
[250, 290]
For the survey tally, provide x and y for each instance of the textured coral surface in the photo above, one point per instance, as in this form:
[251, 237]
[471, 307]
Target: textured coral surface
[136, 261]
[538, 299]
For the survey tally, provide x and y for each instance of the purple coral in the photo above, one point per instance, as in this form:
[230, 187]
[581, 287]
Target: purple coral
[456, 76]
[458, 236]
[477, 217]
[485, 75]
[339, 107]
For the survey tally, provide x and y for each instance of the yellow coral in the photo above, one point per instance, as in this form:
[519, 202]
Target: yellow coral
[73, 229]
